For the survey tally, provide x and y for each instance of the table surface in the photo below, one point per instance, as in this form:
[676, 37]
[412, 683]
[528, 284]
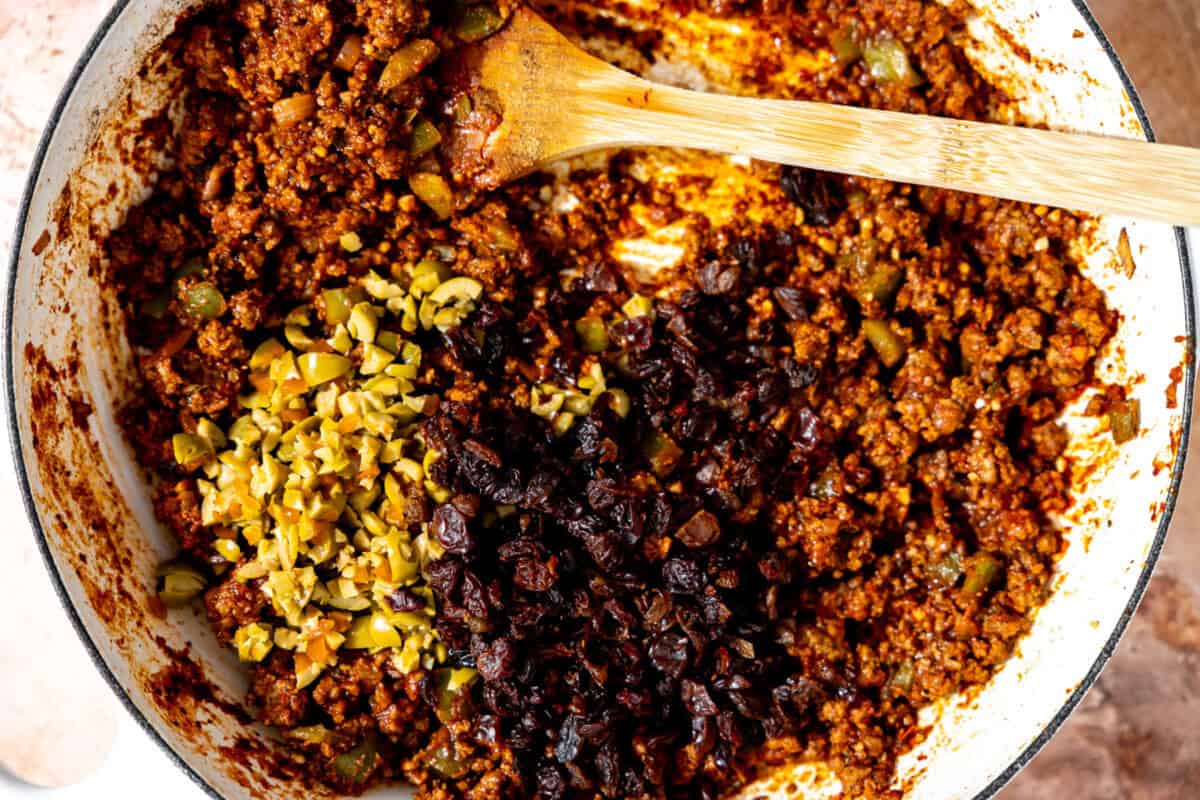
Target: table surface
[1133, 738]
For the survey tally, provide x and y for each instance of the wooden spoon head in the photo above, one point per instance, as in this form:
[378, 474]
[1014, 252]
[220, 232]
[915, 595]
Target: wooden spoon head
[525, 84]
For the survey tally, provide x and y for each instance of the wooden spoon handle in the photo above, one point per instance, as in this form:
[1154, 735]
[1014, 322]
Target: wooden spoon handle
[1072, 171]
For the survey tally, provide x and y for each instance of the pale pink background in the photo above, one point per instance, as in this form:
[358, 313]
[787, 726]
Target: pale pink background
[1137, 735]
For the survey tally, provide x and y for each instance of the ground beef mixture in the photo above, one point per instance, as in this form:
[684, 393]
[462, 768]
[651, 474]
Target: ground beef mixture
[738, 465]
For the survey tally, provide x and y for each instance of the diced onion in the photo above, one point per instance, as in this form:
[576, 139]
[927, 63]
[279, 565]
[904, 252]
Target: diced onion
[295, 109]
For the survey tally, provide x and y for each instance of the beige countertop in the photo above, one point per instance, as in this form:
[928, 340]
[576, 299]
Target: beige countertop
[1134, 737]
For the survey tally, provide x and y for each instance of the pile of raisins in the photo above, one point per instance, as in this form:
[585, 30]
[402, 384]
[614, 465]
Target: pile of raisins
[629, 615]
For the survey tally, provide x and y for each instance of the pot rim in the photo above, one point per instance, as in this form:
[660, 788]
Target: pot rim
[990, 791]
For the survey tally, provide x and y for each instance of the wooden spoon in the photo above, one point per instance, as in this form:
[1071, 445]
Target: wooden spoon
[537, 98]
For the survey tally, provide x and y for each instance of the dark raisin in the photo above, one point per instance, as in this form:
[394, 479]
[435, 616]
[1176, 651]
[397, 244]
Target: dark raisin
[697, 700]
[541, 486]
[669, 652]
[450, 528]
[444, 575]
[497, 661]
[810, 431]
[487, 729]
[483, 452]
[604, 549]
[716, 613]
[636, 334]
[748, 702]
[657, 610]
[521, 548]
[818, 193]
[551, 783]
[704, 735]
[402, 599]
[533, 575]
[791, 302]
[599, 278]
[700, 531]
[800, 376]
[746, 252]
[683, 576]
[796, 695]
[474, 597]
[608, 770]
[715, 279]
[467, 504]
[566, 749]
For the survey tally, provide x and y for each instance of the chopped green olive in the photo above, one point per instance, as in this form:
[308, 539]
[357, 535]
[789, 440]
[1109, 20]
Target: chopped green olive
[298, 316]
[388, 340]
[1124, 420]
[845, 44]
[410, 353]
[947, 571]
[479, 22]
[326, 436]
[210, 432]
[189, 448]
[425, 137]
[562, 423]
[662, 453]
[452, 684]
[983, 570]
[434, 192]
[253, 642]
[228, 549]
[265, 353]
[638, 306]
[880, 284]
[620, 402]
[545, 402]
[204, 301]
[462, 108]
[156, 306]
[444, 763]
[593, 334]
[428, 313]
[193, 266]
[902, 678]
[860, 261]
[363, 324]
[375, 359]
[447, 319]
[374, 631]
[179, 583]
[338, 303]
[318, 368]
[457, 290]
[888, 62]
[407, 62]
[428, 275]
[887, 343]
[357, 765]
[459, 679]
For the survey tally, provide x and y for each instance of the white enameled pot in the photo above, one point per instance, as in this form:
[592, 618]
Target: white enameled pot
[69, 368]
